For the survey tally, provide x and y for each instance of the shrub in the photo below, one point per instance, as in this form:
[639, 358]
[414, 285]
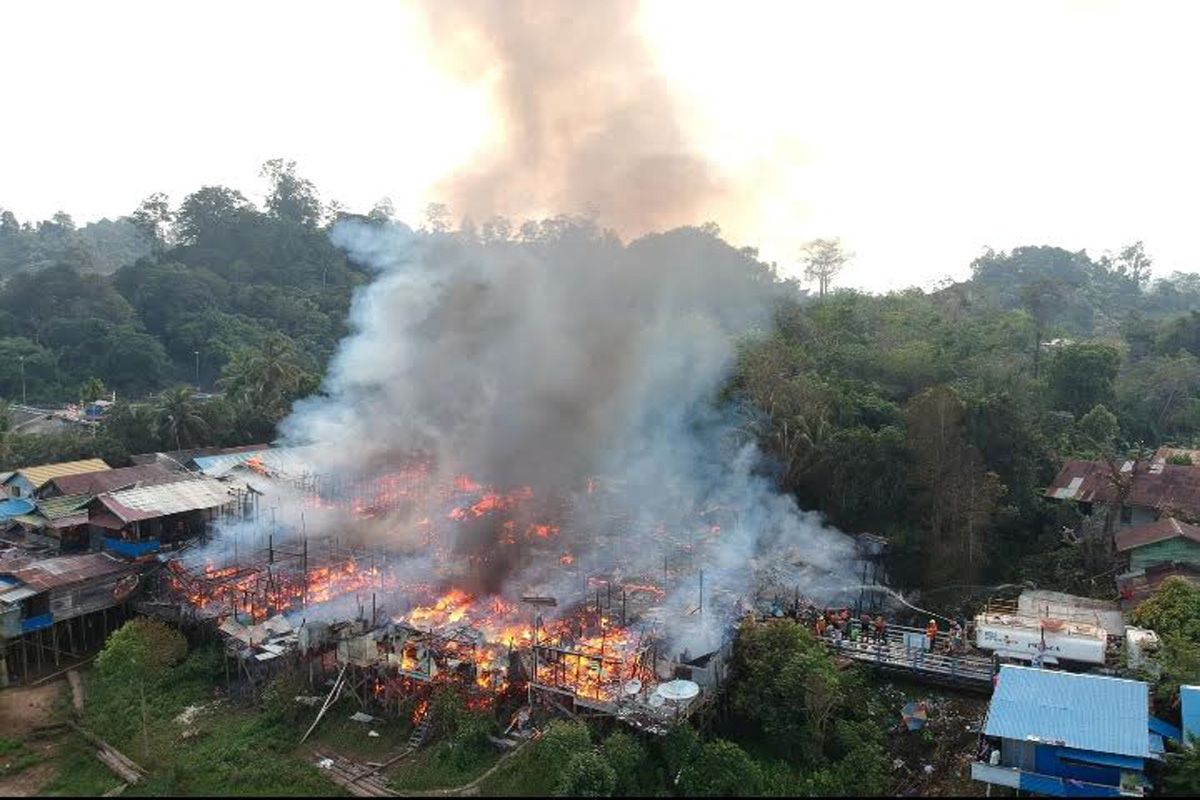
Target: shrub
[587, 775]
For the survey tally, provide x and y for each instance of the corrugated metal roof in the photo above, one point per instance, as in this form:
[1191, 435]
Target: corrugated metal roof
[1086, 712]
[63, 506]
[17, 595]
[148, 502]
[1169, 489]
[179, 458]
[38, 476]
[1158, 531]
[275, 459]
[52, 573]
[94, 483]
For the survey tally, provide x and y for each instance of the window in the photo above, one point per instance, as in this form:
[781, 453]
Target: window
[1126, 514]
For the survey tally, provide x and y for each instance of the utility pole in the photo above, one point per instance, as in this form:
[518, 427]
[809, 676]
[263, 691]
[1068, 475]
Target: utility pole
[197, 352]
[23, 400]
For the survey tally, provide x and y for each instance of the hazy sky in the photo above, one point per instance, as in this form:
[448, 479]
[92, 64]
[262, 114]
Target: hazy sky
[918, 132]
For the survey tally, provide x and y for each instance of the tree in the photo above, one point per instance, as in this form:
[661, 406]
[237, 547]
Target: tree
[823, 259]
[383, 211]
[1043, 300]
[180, 422]
[721, 770]
[1133, 263]
[1081, 376]
[626, 757]
[1182, 777]
[1100, 429]
[291, 198]
[587, 774]
[437, 218]
[153, 218]
[1173, 609]
[133, 426]
[787, 688]
[267, 378]
[208, 215]
[959, 493]
[91, 391]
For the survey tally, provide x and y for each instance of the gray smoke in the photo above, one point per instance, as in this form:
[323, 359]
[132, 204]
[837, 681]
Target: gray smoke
[546, 362]
[588, 124]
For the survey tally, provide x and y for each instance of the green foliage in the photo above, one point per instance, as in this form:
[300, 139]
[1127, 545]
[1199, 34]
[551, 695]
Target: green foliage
[441, 765]
[1099, 430]
[1182, 776]
[627, 758]
[1173, 610]
[562, 740]
[787, 690]
[587, 774]
[679, 747]
[721, 769]
[142, 648]
[15, 757]
[1082, 376]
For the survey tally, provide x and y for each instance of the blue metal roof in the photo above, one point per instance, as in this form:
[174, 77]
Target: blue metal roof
[1189, 699]
[1165, 729]
[218, 465]
[15, 507]
[1085, 712]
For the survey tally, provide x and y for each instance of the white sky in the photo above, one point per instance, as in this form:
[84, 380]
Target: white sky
[918, 132]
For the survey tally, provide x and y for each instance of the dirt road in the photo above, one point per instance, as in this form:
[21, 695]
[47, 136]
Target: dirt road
[21, 709]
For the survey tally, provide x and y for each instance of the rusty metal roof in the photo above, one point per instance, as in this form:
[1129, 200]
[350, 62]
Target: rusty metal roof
[94, 483]
[54, 573]
[1168, 488]
[1159, 531]
[38, 476]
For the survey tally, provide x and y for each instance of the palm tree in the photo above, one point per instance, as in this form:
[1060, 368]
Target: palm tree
[178, 417]
[266, 377]
[6, 431]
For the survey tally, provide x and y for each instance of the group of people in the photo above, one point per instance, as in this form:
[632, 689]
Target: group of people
[958, 636]
[840, 626]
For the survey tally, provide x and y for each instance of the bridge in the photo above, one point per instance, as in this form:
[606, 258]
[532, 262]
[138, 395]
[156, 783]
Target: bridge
[904, 653]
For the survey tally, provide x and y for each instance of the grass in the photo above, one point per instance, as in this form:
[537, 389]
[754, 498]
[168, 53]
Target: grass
[223, 750]
[15, 757]
[524, 775]
[441, 766]
[79, 773]
[341, 734]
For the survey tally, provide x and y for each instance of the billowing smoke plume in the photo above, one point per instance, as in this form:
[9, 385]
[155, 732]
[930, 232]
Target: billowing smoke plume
[569, 356]
[587, 123]
[545, 363]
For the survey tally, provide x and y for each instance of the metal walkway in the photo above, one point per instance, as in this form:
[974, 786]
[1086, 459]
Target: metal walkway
[898, 655]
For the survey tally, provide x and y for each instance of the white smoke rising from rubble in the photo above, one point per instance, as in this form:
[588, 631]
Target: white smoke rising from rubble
[543, 363]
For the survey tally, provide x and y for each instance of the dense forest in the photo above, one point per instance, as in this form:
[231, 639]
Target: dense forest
[932, 418]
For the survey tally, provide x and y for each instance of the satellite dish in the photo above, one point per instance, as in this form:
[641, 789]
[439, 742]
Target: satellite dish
[656, 700]
[678, 690]
[633, 687]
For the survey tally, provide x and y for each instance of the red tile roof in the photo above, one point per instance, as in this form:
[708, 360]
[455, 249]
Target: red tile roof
[1159, 531]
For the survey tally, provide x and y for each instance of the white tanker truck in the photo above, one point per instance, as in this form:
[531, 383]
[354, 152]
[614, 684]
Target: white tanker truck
[1054, 628]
